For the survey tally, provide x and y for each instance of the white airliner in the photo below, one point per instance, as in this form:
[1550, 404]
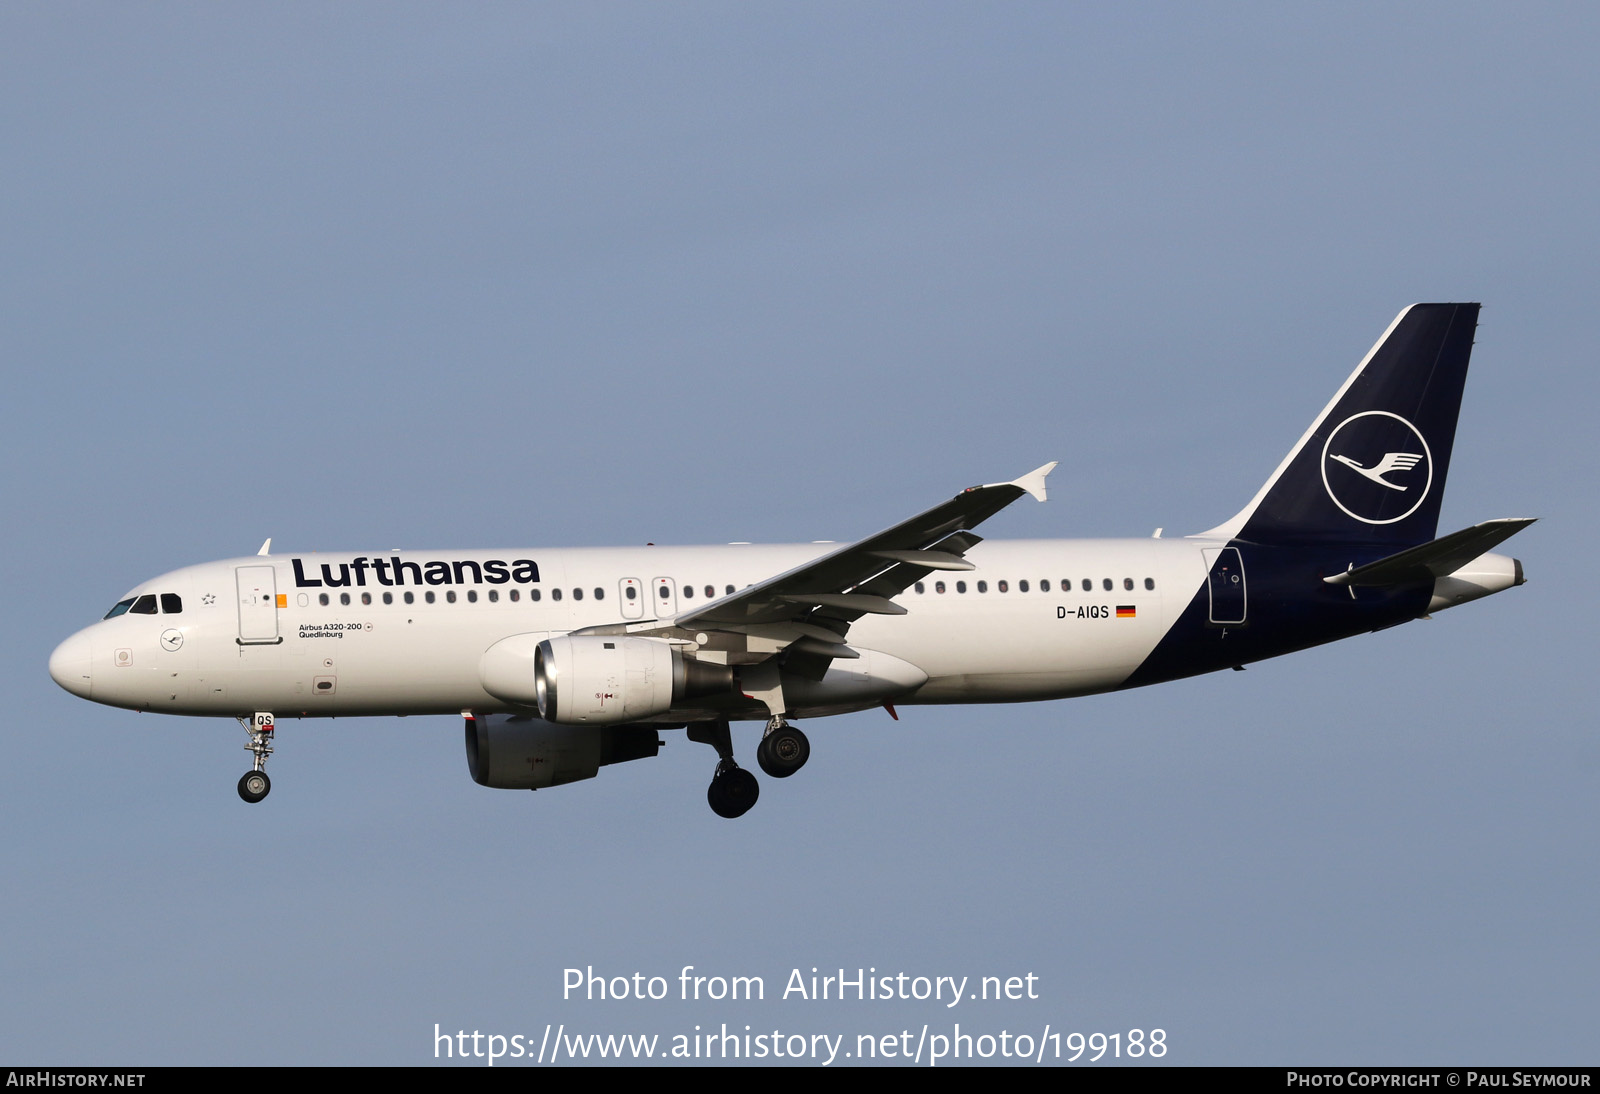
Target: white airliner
[562, 661]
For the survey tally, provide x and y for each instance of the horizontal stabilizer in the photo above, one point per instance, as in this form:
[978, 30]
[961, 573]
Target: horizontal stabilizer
[1436, 558]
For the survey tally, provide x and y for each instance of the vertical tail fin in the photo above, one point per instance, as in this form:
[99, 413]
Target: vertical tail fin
[1372, 466]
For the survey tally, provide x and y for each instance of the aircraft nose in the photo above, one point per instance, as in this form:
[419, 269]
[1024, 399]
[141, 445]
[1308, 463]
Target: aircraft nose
[70, 664]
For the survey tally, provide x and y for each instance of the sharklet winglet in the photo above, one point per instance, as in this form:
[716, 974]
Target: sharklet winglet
[1033, 481]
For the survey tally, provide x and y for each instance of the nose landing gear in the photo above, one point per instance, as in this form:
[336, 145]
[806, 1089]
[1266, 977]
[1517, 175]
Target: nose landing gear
[254, 784]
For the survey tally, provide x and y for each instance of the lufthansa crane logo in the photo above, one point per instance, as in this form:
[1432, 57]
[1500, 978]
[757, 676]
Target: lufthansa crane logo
[1376, 467]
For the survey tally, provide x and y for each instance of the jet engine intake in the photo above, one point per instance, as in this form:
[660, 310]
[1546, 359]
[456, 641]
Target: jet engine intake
[594, 680]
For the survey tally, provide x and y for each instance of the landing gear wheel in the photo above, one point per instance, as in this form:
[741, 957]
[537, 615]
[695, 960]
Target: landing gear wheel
[254, 785]
[783, 752]
[732, 792]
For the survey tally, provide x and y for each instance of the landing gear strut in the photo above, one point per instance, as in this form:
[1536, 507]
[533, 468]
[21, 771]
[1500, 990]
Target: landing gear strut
[254, 784]
[783, 750]
[733, 790]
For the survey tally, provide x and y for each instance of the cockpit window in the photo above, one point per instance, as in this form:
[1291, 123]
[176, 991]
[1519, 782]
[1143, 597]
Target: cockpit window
[145, 605]
[120, 607]
[171, 603]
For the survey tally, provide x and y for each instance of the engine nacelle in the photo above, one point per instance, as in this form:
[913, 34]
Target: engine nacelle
[592, 679]
[603, 680]
[511, 752]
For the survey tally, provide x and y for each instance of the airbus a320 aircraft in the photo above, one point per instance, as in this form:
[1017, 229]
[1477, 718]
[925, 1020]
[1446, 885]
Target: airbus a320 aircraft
[563, 661]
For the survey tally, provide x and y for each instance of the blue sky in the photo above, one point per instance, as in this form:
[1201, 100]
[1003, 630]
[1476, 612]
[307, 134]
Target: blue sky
[366, 276]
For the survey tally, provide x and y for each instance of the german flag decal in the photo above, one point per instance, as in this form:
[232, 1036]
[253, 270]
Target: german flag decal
[1126, 611]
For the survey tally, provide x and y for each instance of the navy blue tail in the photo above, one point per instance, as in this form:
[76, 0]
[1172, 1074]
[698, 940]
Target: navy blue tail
[1372, 468]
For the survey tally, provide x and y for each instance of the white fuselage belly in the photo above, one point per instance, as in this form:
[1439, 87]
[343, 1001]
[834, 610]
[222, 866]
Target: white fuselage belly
[419, 658]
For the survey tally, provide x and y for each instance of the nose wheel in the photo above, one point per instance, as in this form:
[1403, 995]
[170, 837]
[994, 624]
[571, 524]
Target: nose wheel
[254, 784]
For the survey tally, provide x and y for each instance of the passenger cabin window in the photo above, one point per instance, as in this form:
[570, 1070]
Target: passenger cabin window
[1149, 583]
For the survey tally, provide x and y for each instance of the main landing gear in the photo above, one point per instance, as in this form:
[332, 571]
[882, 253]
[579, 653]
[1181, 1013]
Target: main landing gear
[783, 750]
[733, 790]
[254, 784]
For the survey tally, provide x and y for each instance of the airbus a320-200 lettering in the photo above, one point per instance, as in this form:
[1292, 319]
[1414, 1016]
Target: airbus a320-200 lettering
[564, 661]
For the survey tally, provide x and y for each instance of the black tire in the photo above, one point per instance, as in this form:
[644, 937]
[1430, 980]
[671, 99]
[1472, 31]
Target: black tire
[254, 785]
[783, 752]
[732, 793]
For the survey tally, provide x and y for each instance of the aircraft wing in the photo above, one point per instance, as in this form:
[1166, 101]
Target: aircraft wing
[809, 609]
